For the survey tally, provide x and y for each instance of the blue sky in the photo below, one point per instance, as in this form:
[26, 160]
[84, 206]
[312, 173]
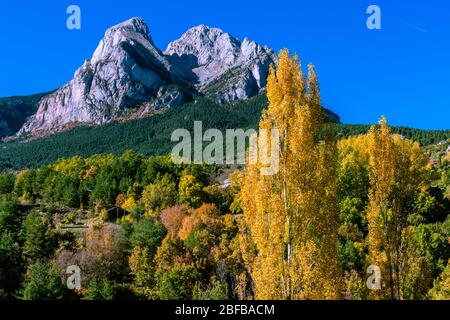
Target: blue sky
[401, 71]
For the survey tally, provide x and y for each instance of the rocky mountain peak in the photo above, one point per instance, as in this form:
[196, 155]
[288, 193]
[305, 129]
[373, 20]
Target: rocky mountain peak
[134, 25]
[133, 32]
[219, 64]
[127, 71]
[203, 43]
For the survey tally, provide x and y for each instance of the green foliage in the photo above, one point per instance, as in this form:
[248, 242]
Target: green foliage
[441, 288]
[196, 238]
[37, 237]
[142, 268]
[351, 258]
[100, 290]
[430, 206]
[160, 195]
[11, 263]
[42, 282]
[31, 100]
[7, 181]
[431, 241]
[217, 291]
[178, 283]
[11, 214]
[352, 211]
[148, 234]
[190, 191]
[23, 185]
[356, 288]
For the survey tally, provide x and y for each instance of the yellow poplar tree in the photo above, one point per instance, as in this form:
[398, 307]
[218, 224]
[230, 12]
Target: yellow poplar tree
[266, 199]
[397, 171]
[290, 217]
[316, 213]
[379, 216]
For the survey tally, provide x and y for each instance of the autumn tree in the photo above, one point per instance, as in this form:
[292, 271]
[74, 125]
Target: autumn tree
[190, 191]
[315, 201]
[143, 270]
[397, 172]
[172, 218]
[291, 217]
[441, 288]
[102, 256]
[159, 195]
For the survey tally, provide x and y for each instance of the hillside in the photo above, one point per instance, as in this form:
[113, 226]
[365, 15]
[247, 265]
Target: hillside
[15, 110]
[424, 137]
[151, 135]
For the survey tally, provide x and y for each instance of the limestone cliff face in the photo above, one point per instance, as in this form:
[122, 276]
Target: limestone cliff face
[127, 71]
[220, 65]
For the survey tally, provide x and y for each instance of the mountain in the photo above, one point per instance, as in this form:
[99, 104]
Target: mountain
[125, 70]
[220, 65]
[129, 74]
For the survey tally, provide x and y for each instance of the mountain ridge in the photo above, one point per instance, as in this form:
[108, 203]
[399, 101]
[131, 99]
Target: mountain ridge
[128, 72]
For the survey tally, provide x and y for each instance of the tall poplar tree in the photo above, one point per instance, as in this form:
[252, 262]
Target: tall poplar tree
[291, 217]
[316, 213]
[397, 172]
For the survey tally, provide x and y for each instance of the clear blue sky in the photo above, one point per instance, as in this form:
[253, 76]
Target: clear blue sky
[401, 71]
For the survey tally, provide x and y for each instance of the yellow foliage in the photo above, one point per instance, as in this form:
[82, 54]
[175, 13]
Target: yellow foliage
[120, 199]
[291, 217]
[129, 204]
[103, 215]
[397, 171]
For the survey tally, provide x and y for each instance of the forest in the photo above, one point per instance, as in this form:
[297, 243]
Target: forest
[150, 136]
[141, 227]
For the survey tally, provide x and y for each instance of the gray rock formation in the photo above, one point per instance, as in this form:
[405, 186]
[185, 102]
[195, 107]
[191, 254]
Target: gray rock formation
[220, 65]
[125, 70]
[167, 97]
[128, 71]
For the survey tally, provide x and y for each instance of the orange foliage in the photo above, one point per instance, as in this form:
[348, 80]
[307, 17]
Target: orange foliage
[172, 219]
